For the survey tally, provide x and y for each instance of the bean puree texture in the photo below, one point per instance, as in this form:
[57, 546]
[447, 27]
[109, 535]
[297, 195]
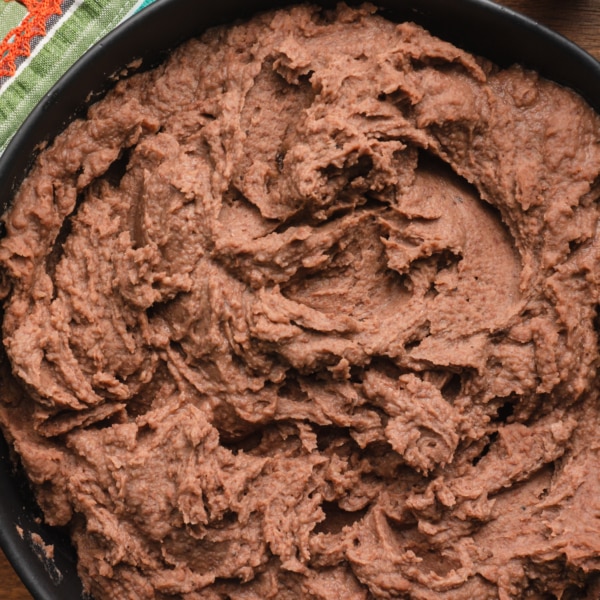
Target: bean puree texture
[310, 311]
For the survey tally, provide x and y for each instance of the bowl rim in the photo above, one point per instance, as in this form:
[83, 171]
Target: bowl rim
[533, 45]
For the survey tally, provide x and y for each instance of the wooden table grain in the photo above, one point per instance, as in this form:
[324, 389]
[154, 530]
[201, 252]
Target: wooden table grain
[11, 587]
[578, 20]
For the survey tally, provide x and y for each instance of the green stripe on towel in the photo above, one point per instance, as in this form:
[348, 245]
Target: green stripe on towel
[79, 29]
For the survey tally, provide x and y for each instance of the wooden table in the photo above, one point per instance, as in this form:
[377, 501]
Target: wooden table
[578, 20]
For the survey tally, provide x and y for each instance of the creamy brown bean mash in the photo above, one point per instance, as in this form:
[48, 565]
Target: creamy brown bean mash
[310, 312]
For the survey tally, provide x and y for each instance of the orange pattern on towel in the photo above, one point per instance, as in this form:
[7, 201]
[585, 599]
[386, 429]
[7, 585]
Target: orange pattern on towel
[17, 42]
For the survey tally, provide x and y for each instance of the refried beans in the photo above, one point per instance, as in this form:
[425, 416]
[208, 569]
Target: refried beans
[310, 311]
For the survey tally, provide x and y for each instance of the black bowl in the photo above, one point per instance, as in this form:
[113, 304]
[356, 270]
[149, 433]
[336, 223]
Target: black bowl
[476, 25]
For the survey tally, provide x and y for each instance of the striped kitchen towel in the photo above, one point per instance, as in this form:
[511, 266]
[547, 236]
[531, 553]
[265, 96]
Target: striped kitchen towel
[40, 40]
